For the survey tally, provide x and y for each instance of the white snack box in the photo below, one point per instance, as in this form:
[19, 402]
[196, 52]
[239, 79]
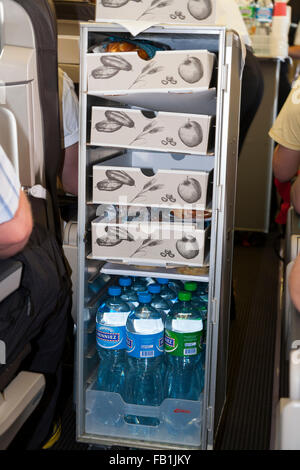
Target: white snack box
[150, 243]
[195, 12]
[130, 186]
[166, 71]
[169, 132]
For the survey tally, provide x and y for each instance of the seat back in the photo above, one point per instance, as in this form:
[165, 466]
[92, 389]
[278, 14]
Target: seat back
[9, 136]
[30, 135]
[18, 72]
[28, 70]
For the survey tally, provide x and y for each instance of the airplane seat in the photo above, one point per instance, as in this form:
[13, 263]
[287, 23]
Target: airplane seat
[69, 14]
[30, 135]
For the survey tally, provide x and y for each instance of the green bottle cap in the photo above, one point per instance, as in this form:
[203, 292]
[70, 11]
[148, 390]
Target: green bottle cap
[183, 295]
[190, 286]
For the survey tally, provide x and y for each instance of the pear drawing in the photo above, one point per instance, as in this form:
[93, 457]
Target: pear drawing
[191, 70]
[200, 9]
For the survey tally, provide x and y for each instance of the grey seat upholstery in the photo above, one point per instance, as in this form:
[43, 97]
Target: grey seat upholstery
[28, 34]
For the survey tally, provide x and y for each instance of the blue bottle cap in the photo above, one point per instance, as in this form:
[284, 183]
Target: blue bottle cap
[161, 280]
[114, 290]
[154, 288]
[144, 297]
[125, 281]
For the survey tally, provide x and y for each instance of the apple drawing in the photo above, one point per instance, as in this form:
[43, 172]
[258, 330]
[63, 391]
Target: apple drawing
[188, 246]
[200, 9]
[191, 70]
[191, 134]
[190, 190]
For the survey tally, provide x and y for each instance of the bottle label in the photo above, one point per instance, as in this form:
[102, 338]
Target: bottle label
[183, 344]
[247, 11]
[111, 337]
[145, 346]
[264, 14]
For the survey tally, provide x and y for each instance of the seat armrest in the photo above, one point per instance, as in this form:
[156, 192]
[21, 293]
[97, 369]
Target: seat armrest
[17, 403]
[10, 277]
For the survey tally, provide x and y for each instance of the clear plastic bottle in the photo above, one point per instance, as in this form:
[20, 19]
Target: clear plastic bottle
[176, 285]
[202, 291]
[199, 300]
[165, 291]
[139, 284]
[248, 9]
[145, 347]
[128, 295]
[183, 345]
[263, 17]
[199, 296]
[111, 342]
[159, 303]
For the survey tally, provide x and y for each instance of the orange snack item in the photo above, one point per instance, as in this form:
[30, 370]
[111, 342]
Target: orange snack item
[126, 47]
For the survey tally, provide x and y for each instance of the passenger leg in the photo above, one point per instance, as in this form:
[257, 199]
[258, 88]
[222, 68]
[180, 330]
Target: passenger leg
[51, 306]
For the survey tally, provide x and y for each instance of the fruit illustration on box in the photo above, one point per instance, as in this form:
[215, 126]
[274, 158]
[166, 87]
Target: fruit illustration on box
[191, 134]
[107, 185]
[148, 243]
[111, 65]
[114, 236]
[188, 246]
[154, 5]
[191, 70]
[114, 121]
[103, 72]
[200, 9]
[120, 176]
[115, 180]
[120, 118]
[117, 3]
[190, 190]
[106, 126]
[116, 61]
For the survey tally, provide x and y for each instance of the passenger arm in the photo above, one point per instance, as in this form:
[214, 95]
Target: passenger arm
[15, 233]
[294, 283]
[285, 163]
[294, 52]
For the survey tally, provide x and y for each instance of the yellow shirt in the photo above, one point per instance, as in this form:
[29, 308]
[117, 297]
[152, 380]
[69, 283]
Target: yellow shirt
[286, 129]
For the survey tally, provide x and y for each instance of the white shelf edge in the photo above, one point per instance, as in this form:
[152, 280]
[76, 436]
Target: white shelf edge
[155, 271]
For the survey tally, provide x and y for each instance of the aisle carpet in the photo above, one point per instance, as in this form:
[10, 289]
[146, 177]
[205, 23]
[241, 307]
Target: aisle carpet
[246, 422]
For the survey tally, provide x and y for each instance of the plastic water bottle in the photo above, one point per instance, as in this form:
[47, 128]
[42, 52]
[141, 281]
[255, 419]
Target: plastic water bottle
[95, 286]
[128, 295]
[111, 341]
[183, 346]
[199, 301]
[175, 285]
[165, 291]
[158, 302]
[198, 295]
[139, 284]
[145, 347]
[263, 16]
[247, 9]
